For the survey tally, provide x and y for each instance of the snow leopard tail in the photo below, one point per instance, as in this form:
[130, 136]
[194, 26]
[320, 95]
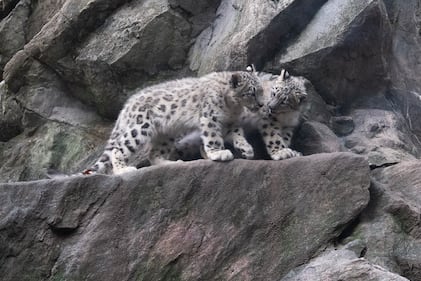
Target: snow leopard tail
[103, 165]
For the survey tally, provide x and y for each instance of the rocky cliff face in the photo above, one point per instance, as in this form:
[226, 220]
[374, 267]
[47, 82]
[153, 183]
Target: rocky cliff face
[348, 211]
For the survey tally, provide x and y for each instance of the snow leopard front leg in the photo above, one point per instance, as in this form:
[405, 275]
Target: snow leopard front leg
[213, 142]
[237, 137]
[277, 141]
[286, 133]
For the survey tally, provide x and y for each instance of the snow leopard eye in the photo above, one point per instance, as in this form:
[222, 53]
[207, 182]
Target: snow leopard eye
[253, 92]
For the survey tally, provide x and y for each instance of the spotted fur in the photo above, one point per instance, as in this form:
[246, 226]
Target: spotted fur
[152, 118]
[281, 114]
[284, 96]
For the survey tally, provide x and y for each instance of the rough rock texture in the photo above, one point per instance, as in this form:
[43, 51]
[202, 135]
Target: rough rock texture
[405, 83]
[154, 225]
[333, 51]
[315, 137]
[390, 226]
[382, 135]
[344, 264]
[68, 66]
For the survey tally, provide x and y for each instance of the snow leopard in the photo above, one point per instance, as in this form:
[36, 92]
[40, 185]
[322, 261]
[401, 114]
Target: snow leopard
[281, 114]
[152, 118]
[276, 121]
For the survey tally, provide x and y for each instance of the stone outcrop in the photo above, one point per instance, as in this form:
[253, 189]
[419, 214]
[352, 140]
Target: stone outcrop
[390, 226]
[344, 264]
[155, 225]
[68, 66]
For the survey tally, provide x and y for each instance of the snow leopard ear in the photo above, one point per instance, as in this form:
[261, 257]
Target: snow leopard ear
[302, 96]
[251, 68]
[284, 75]
[235, 80]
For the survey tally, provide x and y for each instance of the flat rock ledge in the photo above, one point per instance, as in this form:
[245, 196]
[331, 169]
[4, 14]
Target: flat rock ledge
[199, 220]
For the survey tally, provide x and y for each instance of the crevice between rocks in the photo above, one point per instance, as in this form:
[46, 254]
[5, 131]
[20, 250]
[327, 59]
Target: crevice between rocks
[6, 6]
[63, 231]
[385, 165]
[281, 30]
[347, 231]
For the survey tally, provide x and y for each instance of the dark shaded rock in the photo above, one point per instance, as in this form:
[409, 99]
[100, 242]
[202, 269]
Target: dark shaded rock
[10, 116]
[255, 221]
[199, 14]
[6, 7]
[12, 32]
[282, 28]
[234, 41]
[342, 125]
[314, 137]
[315, 108]
[390, 226]
[404, 60]
[333, 51]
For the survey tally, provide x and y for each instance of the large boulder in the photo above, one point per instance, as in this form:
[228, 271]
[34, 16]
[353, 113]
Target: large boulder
[242, 220]
[390, 226]
[57, 38]
[102, 67]
[44, 128]
[125, 52]
[335, 48]
[234, 40]
[404, 61]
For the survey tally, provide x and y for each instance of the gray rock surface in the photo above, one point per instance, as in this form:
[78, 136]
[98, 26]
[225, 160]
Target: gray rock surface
[315, 137]
[333, 51]
[154, 225]
[12, 31]
[390, 226]
[381, 135]
[68, 66]
[344, 264]
[404, 61]
[10, 115]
